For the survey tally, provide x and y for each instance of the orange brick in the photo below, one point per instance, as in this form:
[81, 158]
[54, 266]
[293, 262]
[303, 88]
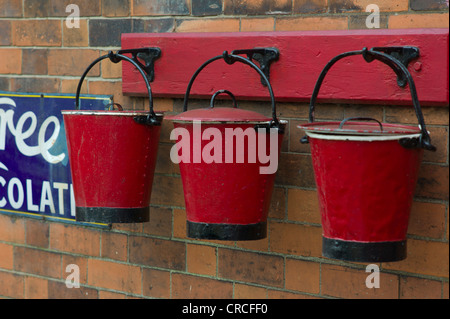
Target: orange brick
[295, 135]
[11, 285]
[423, 257]
[296, 170]
[37, 233]
[433, 182]
[70, 86]
[260, 24]
[36, 288]
[419, 288]
[295, 239]
[10, 8]
[207, 25]
[407, 115]
[251, 267]
[242, 291]
[310, 6]
[445, 294]
[439, 138]
[72, 62]
[114, 246]
[408, 21]
[111, 88]
[75, 239]
[76, 37]
[156, 283]
[167, 190]
[201, 259]
[303, 206]
[81, 262]
[122, 277]
[303, 276]
[11, 62]
[343, 282]
[193, 287]
[279, 294]
[311, 23]
[110, 70]
[338, 6]
[110, 295]
[58, 290]
[179, 223]
[6, 256]
[427, 219]
[12, 229]
[38, 262]
[116, 8]
[160, 223]
[278, 203]
[36, 32]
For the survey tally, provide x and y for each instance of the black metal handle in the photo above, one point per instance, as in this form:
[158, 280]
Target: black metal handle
[211, 104]
[397, 66]
[341, 125]
[115, 58]
[230, 59]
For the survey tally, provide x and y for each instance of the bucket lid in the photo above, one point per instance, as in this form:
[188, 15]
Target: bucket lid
[359, 128]
[220, 115]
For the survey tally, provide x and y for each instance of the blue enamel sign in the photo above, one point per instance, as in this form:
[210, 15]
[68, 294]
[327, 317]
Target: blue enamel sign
[35, 174]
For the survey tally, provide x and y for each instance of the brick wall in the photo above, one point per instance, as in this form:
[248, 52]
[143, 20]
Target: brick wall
[38, 53]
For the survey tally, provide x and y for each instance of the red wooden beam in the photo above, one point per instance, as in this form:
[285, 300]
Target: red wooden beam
[302, 57]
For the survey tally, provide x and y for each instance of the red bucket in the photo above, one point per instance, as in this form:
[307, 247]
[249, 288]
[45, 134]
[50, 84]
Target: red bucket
[112, 156]
[366, 175]
[227, 189]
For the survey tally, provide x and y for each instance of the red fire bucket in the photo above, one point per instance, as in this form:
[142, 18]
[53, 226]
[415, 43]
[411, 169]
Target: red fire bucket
[227, 184]
[112, 156]
[366, 173]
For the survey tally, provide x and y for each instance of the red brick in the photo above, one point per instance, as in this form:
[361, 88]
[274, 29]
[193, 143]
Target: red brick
[422, 5]
[407, 21]
[419, 288]
[6, 256]
[342, 6]
[75, 239]
[311, 23]
[303, 206]
[257, 24]
[34, 61]
[433, 182]
[37, 233]
[160, 223]
[256, 7]
[114, 246]
[167, 190]
[296, 170]
[76, 37]
[156, 283]
[35, 85]
[11, 285]
[116, 8]
[427, 220]
[59, 290]
[36, 288]
[11, 62]
[45, 33]
[110, 295]
[279, 294]
[294, 239]
[160, 7]
[38, 262]
[439, 138]
[111, 275]
[310, 6]
[424, 257]
[343, 282]
[251, 267]
[5, 30]
[10, 8]
[278, 203]
[201, 259]
[207, 25]
[303, 276]
[72, 62]
[157, 252]
[57, 8]
[242, 291]
[12, 229]
[192, 287]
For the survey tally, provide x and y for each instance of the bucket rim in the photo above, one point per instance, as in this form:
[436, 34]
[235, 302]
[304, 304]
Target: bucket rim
[284, 122]
[359, 128]
[109, 112]
[361, 138]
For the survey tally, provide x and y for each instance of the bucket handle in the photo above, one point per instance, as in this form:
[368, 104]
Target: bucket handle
[341, 125]
[211, 104]
[230, 59]
[424, 140]
[151, 118]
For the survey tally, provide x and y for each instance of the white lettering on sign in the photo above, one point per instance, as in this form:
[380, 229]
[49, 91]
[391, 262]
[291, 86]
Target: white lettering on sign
[21, 134]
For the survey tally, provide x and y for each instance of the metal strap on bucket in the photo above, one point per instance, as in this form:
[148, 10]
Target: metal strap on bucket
[230, 59]
[424, 141]
[151, 118]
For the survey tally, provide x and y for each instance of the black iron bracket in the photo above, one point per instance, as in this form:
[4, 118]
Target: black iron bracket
[148, 55]
[404, 54]
[264, 56]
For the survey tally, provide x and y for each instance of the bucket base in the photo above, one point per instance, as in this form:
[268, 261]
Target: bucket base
[106, 215]
[362, 251]
[226, 231]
